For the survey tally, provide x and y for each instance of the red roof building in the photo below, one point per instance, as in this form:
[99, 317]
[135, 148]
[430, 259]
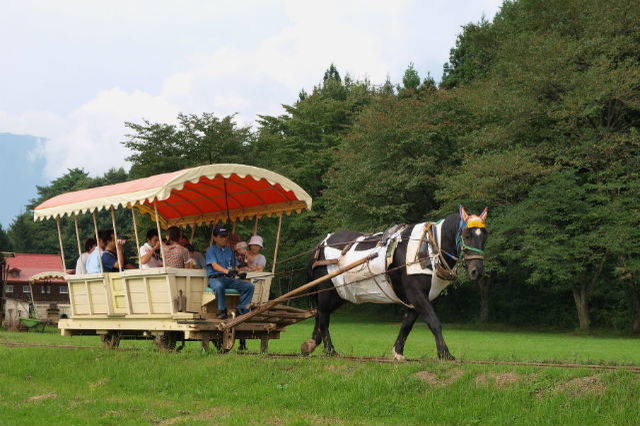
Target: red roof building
[25, 265]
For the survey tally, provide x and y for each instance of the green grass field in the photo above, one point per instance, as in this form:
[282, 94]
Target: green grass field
[41, 385]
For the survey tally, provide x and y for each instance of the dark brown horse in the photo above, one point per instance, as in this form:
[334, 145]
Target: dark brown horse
[459, 237]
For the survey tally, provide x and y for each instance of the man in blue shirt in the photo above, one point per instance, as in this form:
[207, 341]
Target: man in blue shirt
[107, 251]
[221, 270]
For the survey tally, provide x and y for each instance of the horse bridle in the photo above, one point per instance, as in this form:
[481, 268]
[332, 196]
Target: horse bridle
[461, 246]
[442, 268]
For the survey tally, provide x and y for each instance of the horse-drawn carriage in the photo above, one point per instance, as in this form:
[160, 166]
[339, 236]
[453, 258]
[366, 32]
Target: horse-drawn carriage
[407, 264]
[172, 304]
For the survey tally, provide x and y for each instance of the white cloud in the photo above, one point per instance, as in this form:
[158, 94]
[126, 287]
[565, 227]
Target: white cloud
[224, 73]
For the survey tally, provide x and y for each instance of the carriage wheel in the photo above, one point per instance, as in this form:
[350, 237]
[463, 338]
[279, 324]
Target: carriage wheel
[166, 341]
[228, 339]
[111, 340]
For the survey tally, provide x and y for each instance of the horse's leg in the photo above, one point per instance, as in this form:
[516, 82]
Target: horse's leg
[428, 314]
[323, 323]
[320, 334]
[316, 337]
[407, 324]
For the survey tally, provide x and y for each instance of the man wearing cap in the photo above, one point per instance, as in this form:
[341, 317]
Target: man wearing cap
[221, 270]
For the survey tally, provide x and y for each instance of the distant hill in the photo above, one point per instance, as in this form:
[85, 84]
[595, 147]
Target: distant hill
[19, 175]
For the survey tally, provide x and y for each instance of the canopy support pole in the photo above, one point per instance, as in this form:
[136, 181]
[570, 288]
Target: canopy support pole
[95, 226]
[135, 230]
[64, 265]
[213, 226]
[275, 253]
[193, 231]
[82, 267]
[255, 227]
[233, 228]
[115, 235]
[155, 209]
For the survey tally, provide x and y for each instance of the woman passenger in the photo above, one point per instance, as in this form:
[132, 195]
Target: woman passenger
[255, 261]
[89, 245]
[175, 255]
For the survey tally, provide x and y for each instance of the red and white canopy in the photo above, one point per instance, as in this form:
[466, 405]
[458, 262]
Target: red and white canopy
[192, 196]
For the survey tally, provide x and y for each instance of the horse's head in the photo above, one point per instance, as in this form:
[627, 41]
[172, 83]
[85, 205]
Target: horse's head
[470, 239]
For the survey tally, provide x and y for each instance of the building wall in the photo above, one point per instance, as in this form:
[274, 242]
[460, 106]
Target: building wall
[20, 308]
[54, 292]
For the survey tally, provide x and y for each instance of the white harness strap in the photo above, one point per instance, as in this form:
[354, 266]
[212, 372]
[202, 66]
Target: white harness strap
[413, 263]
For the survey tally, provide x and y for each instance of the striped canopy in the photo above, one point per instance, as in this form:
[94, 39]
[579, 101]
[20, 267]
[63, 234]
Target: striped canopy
[191, 196]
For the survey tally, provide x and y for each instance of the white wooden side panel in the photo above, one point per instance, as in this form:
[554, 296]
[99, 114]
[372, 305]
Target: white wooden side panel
[78, 297]
[159, 295]
[97, 296]
[138, 295]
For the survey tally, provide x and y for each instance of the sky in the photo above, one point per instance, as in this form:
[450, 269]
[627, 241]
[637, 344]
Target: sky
[73, 72]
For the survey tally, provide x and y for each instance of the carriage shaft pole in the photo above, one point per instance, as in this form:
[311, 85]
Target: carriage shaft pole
[272, 303]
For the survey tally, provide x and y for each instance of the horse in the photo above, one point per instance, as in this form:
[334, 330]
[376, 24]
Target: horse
[421, 262]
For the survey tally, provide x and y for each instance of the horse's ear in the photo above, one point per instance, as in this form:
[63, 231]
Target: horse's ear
[463, 214]
[483, 216]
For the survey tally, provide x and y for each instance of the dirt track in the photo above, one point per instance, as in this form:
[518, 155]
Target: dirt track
[631, 368]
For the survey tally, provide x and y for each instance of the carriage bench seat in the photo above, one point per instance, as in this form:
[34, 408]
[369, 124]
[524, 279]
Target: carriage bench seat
[227, 291]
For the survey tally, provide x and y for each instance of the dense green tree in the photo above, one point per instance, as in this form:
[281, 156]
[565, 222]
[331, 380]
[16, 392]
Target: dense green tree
[27, 236]
[555, 132]
[385, 170]
[472, 56]
[5, 245]
[194, 141]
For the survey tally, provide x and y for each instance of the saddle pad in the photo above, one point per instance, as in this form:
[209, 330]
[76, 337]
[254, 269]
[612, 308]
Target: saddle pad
[367, 282]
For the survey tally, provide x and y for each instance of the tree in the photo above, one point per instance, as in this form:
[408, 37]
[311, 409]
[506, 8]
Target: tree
[555, 116]
[196, 140]
[475, 51]
[27, 236]
[5, 245]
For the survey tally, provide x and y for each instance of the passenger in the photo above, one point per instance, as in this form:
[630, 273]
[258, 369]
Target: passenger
[150, 251]
[196, 256]
[81, 264]
[222, 270]
[176, 256]
[109, 251]
[256, 261]
[241, 256]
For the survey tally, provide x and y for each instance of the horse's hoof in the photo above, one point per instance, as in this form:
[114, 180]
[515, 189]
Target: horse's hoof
[331, 353]
[396, 356]
[446, 357]
[308, 347]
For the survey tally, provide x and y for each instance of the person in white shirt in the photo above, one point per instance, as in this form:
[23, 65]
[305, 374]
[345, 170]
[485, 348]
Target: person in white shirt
[149, 255]
[81, 265]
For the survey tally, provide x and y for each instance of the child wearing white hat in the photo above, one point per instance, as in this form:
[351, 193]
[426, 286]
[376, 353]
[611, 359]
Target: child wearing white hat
[256, 261]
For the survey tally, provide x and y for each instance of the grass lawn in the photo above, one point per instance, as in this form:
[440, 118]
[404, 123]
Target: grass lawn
[40, 385]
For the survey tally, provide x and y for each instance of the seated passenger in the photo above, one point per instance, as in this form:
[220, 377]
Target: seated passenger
[109, 252]
[221, 270]
[150, 251]
[81, 265]
[241, 256]
[255, 261]
[175, 255]
[196, 256]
